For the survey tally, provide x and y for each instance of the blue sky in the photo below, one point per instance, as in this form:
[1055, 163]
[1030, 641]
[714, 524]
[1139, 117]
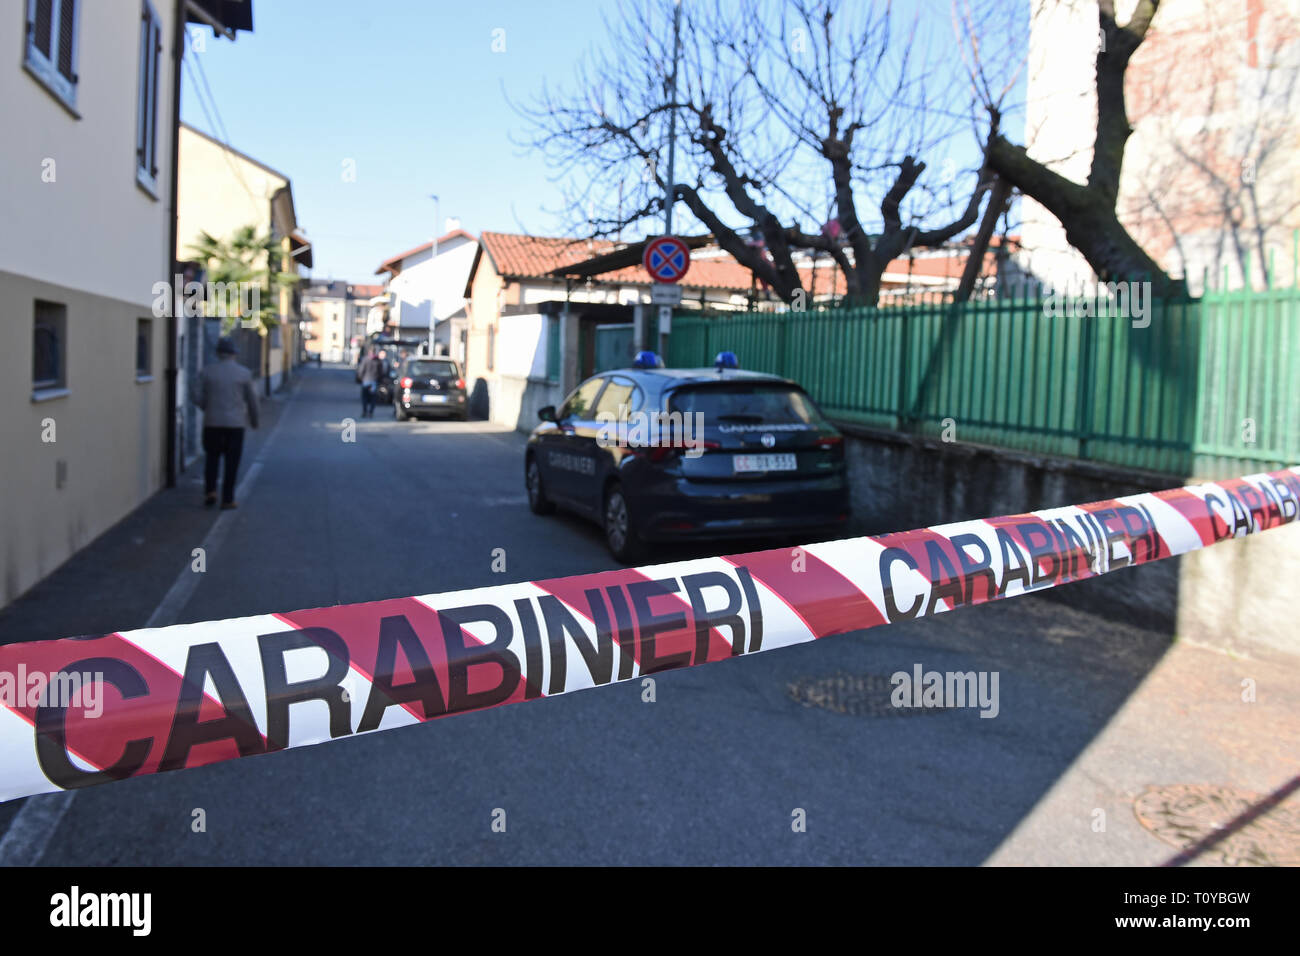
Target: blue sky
[412, 94]
[409, 89]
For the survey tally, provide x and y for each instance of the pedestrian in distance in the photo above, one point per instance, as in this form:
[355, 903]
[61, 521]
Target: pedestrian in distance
[225, 393]
[369, 374]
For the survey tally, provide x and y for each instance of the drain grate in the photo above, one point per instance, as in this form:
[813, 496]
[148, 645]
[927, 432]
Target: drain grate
[1183, 815]
[857, 695]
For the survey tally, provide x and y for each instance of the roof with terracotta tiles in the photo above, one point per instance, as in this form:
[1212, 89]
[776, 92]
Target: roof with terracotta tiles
[535, 257]
[517, 257]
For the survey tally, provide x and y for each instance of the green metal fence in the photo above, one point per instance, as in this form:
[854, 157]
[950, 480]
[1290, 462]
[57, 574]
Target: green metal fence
[1196, 387]
[1248, 408]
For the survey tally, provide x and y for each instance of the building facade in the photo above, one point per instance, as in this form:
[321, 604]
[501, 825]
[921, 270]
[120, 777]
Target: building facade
[425, 288]
[338, 316]
[533, 333]
[1210, 186]
[89, 93]
[544, 313]
[221, 191]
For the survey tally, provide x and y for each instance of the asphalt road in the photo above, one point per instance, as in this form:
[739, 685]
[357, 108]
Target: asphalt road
[713, 771]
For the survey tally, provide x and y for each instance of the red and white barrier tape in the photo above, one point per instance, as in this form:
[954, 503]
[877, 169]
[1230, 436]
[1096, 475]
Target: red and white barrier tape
[175, 697]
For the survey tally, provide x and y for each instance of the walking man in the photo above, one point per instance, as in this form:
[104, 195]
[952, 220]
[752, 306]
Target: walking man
[225, 393]
[369, 374]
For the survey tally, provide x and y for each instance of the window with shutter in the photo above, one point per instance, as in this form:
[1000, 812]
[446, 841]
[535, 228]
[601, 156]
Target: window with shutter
[146, 137]
[43, 26]
[51, 49]
[67, 29]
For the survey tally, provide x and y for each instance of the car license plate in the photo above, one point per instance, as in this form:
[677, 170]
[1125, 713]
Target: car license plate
[784, 462]
[433, 398]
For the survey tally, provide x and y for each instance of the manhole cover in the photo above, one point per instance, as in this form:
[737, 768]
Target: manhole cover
[858, 695]
[1183, 815]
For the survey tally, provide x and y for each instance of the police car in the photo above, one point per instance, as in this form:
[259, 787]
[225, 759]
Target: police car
[657, 454]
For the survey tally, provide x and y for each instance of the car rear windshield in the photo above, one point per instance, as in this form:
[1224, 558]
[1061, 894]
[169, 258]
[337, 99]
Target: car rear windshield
[434, 369]
[746, 404]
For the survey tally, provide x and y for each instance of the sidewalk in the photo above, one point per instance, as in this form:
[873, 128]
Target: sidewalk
[1182, 764]
[119, 578]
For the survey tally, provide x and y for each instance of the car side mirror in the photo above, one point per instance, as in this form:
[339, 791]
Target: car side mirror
[547, 413]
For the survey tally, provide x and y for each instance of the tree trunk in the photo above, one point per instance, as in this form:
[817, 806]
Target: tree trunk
[975, 261]
[1088, 216]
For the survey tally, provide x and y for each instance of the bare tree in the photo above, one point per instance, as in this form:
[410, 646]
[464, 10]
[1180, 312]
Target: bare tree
[992, 77]
[1087, 211]
[804, 124]
[1216, 100]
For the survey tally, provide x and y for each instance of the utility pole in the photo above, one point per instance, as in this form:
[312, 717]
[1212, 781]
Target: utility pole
[433, 277]
[670, 196]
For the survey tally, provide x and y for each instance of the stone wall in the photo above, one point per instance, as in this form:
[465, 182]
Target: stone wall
[1234, 596]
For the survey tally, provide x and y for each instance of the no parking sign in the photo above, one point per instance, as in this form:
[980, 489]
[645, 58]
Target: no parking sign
[666, 258]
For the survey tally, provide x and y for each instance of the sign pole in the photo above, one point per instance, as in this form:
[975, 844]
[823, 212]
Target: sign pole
[670, 196]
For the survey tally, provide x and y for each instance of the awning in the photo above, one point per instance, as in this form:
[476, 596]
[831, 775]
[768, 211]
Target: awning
[300, 249]
[232, 15]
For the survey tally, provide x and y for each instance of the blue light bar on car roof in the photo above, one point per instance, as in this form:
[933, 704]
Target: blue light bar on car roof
[726, 360]
[647, 359]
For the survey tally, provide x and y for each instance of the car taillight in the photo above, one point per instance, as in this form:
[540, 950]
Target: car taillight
[660, 453]
[460, 383]
[656, 453]
[830, 441]
[407, 382]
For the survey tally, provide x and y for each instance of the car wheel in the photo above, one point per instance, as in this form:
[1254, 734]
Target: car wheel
[462, 416]
[538, 503]
[621, 534]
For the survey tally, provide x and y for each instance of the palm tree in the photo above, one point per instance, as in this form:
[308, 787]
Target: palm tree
[243, 260]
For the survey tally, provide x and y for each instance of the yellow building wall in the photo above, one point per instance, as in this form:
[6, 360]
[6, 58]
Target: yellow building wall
[107, 430]
[78, 230]
[219, 192]
[484, 312]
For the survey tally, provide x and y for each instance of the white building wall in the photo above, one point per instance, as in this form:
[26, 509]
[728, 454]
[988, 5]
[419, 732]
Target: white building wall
[71, 210]
[517, 387]
[521, 345]
[428, 290]
[1060, 124]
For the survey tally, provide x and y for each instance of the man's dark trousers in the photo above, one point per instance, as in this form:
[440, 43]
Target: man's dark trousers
[218, 443]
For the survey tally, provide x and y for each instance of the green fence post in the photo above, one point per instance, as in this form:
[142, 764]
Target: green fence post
[904, 361]
[1087, 383]
[782, 343]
